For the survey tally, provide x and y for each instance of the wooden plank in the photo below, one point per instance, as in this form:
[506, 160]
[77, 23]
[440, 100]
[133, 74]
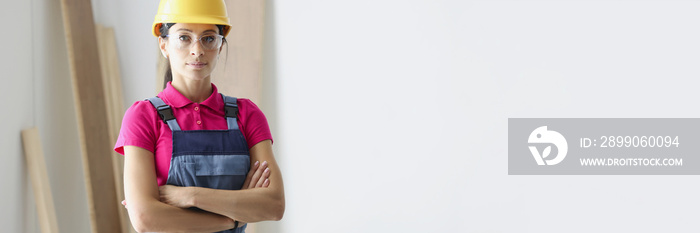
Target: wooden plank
[111, 79]
[240, 73]
[91, 114]
[36, 166]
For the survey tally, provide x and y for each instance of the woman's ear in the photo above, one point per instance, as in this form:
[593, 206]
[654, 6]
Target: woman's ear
[163, 46]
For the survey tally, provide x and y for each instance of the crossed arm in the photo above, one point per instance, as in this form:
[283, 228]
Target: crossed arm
[148, 213]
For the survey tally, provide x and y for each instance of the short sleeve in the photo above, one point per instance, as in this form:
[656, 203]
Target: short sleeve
[138, 127]
[253, 123]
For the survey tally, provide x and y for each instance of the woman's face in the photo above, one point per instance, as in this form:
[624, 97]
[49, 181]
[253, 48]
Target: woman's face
[193, 50]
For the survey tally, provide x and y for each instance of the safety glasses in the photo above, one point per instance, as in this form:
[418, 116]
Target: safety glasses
[185, 40]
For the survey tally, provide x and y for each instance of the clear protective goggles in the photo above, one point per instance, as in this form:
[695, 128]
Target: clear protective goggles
[209, 41]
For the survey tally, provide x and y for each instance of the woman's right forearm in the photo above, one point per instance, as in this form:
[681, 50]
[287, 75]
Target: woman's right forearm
[147, 213]
[155, 216]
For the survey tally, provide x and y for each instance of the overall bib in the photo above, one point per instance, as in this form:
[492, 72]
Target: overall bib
[217, 159]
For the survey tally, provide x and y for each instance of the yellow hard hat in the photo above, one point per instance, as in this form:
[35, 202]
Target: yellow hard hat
[192, 11]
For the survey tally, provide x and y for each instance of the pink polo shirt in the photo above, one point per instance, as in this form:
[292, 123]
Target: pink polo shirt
[143, 127]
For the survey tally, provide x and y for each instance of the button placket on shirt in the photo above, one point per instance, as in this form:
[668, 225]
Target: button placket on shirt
[198, 116]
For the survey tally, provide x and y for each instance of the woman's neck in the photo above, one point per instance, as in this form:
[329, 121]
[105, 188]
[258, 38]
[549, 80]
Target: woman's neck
[195, 90]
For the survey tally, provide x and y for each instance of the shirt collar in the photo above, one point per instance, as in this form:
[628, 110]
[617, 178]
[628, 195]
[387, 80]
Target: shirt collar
[175, 99]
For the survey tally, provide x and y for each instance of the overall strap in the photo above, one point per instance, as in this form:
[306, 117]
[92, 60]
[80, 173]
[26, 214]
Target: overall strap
[231, 110]
[165, 113]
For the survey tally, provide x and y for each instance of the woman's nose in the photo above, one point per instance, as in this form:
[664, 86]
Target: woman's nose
[196, 49]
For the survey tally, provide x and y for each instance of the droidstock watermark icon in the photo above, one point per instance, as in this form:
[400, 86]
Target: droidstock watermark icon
[603, 146]
[542, 135]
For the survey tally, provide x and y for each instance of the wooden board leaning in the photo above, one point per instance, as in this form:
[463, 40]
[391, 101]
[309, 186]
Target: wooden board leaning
[89, 99]
[36, 165]
[112, 85]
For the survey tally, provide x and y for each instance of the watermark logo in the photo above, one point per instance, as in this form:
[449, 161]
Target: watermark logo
[603, 146]
[541, 136]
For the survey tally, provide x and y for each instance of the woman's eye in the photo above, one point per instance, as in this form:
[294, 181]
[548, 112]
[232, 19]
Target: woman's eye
[208, 39]
[184, 37]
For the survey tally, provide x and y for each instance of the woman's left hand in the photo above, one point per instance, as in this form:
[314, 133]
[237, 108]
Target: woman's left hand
[183, 197]
[177, 196]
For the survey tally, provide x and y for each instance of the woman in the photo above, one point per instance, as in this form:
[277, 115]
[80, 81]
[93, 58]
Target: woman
[195, 160]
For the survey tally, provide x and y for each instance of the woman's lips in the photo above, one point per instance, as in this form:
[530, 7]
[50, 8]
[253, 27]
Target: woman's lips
[197, 65]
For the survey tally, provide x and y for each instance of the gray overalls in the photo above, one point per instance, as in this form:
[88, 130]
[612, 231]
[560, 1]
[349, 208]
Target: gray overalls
[217, 159]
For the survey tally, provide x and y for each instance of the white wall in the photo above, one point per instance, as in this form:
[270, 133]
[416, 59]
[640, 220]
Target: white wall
[37, 92]
[132, 22]
[391, 116]
[17, 113]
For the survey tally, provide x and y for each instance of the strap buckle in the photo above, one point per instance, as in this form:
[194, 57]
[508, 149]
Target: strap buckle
[166, 113]
[231, 110]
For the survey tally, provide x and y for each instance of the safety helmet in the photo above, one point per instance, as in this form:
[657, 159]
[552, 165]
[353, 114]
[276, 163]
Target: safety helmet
[192, 11]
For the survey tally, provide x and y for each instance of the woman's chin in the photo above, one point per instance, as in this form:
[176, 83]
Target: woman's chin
[198, 76]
